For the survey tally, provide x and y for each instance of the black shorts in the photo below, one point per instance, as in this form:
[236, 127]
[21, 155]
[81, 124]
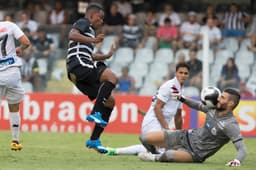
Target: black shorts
[85, 78]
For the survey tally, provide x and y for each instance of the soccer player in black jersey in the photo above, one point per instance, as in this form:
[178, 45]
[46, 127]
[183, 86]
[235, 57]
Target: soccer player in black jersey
[89, 74]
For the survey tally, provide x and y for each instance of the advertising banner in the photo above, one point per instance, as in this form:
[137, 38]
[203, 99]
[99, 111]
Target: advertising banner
[67, 113]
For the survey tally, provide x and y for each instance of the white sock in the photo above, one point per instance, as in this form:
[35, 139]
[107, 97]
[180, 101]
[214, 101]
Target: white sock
[130, 150]
[15, 125]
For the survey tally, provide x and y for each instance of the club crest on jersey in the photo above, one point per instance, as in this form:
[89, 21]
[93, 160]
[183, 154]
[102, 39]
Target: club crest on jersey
[214, 131]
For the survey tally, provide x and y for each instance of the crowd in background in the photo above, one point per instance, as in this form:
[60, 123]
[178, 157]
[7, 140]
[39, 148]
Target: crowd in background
[139, 25]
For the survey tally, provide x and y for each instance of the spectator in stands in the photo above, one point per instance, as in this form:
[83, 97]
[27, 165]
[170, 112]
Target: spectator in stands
[26, 22]
[131, 33]
[169, 13]
[124, 7]
[189, 32]
[252, 45]
[113, 21]
[167, 35]
[195, 76]
[126, 83]
[244, 92]
[9, 17]
[58, 15]
[214, 34]
[58, 20]
[30, 70]
[150, 29]
[229, 75]
[234, 22]
[210, 13]
[44, 48]
[252, 27]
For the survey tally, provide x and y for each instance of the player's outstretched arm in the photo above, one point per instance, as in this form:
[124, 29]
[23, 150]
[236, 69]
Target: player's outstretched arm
[241, 154]
[191, 103]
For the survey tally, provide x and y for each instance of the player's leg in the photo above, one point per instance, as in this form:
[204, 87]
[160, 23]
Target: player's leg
[14, 95]
[129, 150]
[167, 156]
[108, 82]
[153, 138]
[97, 131]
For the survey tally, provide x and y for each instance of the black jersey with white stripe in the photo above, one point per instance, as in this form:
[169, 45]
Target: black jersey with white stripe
[82, 50]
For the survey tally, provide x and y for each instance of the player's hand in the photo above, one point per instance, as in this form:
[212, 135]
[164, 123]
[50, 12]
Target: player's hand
[111, 51]
[19, 51]
[99, 38]
[234, 163]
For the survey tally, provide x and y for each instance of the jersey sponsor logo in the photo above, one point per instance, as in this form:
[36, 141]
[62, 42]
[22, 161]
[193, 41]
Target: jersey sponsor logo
[6, 61]
[214, 131]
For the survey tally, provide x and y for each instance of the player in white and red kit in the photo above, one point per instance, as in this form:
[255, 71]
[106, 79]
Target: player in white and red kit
[10, 77]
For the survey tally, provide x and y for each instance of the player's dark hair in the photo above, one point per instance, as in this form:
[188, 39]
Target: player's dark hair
[234, 95]
[93, 7]
[182, 65]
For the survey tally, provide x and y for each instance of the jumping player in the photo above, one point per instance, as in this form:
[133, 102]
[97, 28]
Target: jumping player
[92, 78]
[162, 110]
[10, 77]
[196, 145]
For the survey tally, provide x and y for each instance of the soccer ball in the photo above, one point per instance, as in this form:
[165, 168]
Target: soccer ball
[209, 96]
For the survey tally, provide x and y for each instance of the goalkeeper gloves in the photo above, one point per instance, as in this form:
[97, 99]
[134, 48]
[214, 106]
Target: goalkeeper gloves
[234, 163]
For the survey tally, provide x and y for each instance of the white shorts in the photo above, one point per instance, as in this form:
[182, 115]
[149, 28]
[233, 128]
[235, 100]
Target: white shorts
[10, 85]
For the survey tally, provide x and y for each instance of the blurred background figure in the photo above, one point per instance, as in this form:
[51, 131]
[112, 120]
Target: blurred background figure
[30, 72]
[229, 75]
[131, 33]
[126, 83]
[113, 20]
[168, 12]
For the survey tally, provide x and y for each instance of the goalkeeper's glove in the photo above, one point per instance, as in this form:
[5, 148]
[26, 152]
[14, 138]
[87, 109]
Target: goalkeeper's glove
[234, 163]
[176, 95]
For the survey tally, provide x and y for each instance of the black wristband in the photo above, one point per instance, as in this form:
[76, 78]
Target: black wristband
[182, 99]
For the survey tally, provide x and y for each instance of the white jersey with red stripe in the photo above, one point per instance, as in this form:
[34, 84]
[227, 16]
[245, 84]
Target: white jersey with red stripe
[8, 33]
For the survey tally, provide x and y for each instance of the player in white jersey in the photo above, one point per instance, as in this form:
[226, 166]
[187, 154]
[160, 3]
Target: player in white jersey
[10, 78]
[162, 110]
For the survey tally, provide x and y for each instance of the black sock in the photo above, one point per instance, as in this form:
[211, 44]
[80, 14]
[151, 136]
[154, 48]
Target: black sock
[98, 129]
[103, 94]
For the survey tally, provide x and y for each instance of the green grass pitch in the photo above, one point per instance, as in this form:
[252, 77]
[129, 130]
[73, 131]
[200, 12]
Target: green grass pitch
[65, 151]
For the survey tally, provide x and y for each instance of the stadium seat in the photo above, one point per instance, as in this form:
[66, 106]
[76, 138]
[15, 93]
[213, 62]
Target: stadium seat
[210, 56]
[150, 42]
[231, 44]
[28, 87]
[191, 91]
[244, 57]
[244, 44]
[137, 68]
[251, 84]
[244, 71]
[123, 56]
[148, 90]
[107, 42]
[159, 69]
[164, 55]
[215, 72]
[222, 56]
[144, 55]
